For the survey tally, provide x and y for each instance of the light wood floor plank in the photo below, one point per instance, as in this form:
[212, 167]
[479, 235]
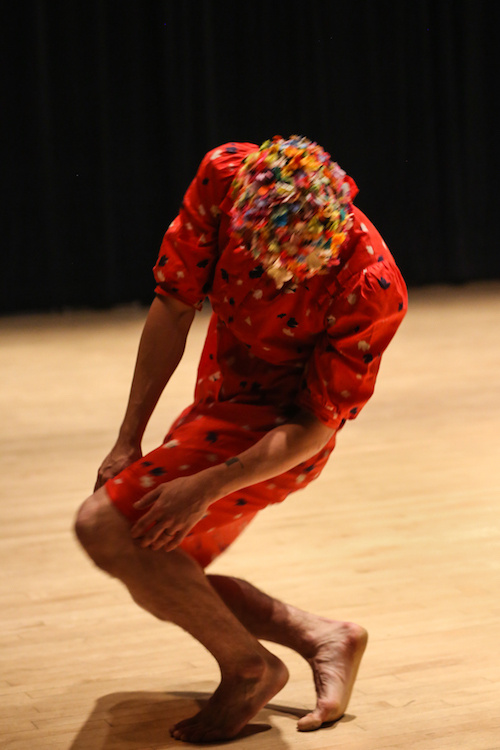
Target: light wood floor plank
[401, 533]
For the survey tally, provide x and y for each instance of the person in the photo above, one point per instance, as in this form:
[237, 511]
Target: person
[305, 297]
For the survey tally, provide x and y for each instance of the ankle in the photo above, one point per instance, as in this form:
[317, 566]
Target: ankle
[250, 666]
[301, 631]
[346, 637]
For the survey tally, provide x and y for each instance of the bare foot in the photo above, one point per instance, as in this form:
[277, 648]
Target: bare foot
[335, 659]
[234, 703]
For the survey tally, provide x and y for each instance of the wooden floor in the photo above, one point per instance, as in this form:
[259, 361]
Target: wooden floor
[401, 533]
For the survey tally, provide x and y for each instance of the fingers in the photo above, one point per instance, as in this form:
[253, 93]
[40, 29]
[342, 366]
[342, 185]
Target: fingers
[176, 540]
[166, 533]
[148, 526]
[163, 540]
[120, 457]
[102, 478]
[166, 520]
[101, 481]
[161, 536]
[147, 499]
[151, 517]
[151, 528]
[167, 541]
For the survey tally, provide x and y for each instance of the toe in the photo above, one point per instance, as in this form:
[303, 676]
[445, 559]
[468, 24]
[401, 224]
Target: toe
[179, 734]
[321, 714]
[310, 722]
[193, 732]
[181, 725]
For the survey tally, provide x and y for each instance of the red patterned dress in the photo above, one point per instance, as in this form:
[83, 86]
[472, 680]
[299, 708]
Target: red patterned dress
[315, 345]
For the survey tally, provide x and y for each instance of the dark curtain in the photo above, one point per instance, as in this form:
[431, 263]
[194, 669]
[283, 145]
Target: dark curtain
[108, 107]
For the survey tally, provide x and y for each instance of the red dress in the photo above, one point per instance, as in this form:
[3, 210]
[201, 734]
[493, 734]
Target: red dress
[315, 345]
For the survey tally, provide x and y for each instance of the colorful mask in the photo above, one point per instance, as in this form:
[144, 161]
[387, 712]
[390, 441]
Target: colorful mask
[292, 208]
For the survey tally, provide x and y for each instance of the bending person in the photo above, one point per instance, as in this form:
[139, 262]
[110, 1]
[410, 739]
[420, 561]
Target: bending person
[305, 297]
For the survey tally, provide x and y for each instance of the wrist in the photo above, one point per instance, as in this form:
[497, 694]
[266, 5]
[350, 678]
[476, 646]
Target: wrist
[129, 439]
[221, 480]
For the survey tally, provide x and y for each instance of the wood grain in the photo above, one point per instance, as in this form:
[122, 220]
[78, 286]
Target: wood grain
[400, 533]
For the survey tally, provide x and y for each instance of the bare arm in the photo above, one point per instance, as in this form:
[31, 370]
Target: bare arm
[281, 449]
[160, 350]
[178, 505]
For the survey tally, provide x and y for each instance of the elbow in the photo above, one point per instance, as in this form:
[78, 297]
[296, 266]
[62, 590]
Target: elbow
[316, 433]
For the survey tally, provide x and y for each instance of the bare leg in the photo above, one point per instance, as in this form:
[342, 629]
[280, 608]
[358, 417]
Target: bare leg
[333, 649]
[173, 587]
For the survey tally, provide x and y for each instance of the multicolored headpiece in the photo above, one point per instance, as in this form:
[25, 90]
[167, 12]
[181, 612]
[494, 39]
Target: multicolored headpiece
[292, 208]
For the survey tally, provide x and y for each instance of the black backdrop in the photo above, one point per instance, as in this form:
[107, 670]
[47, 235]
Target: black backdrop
[108, 107]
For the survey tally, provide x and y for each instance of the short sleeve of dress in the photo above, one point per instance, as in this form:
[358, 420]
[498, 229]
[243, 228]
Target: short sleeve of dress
[340, 376]
[189, 250]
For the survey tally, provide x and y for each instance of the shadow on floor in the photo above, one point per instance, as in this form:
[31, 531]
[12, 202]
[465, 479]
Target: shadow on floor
[141, 721]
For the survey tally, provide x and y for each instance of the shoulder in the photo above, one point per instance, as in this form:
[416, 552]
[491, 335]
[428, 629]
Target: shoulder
[361, 255]
[226, 159]
[367, 280]
[218, 169]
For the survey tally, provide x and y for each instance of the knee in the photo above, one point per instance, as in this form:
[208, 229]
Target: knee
[90, 532]
[85, 522]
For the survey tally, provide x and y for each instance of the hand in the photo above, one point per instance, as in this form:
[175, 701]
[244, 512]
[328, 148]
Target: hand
[121, 456]
[176, 507]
